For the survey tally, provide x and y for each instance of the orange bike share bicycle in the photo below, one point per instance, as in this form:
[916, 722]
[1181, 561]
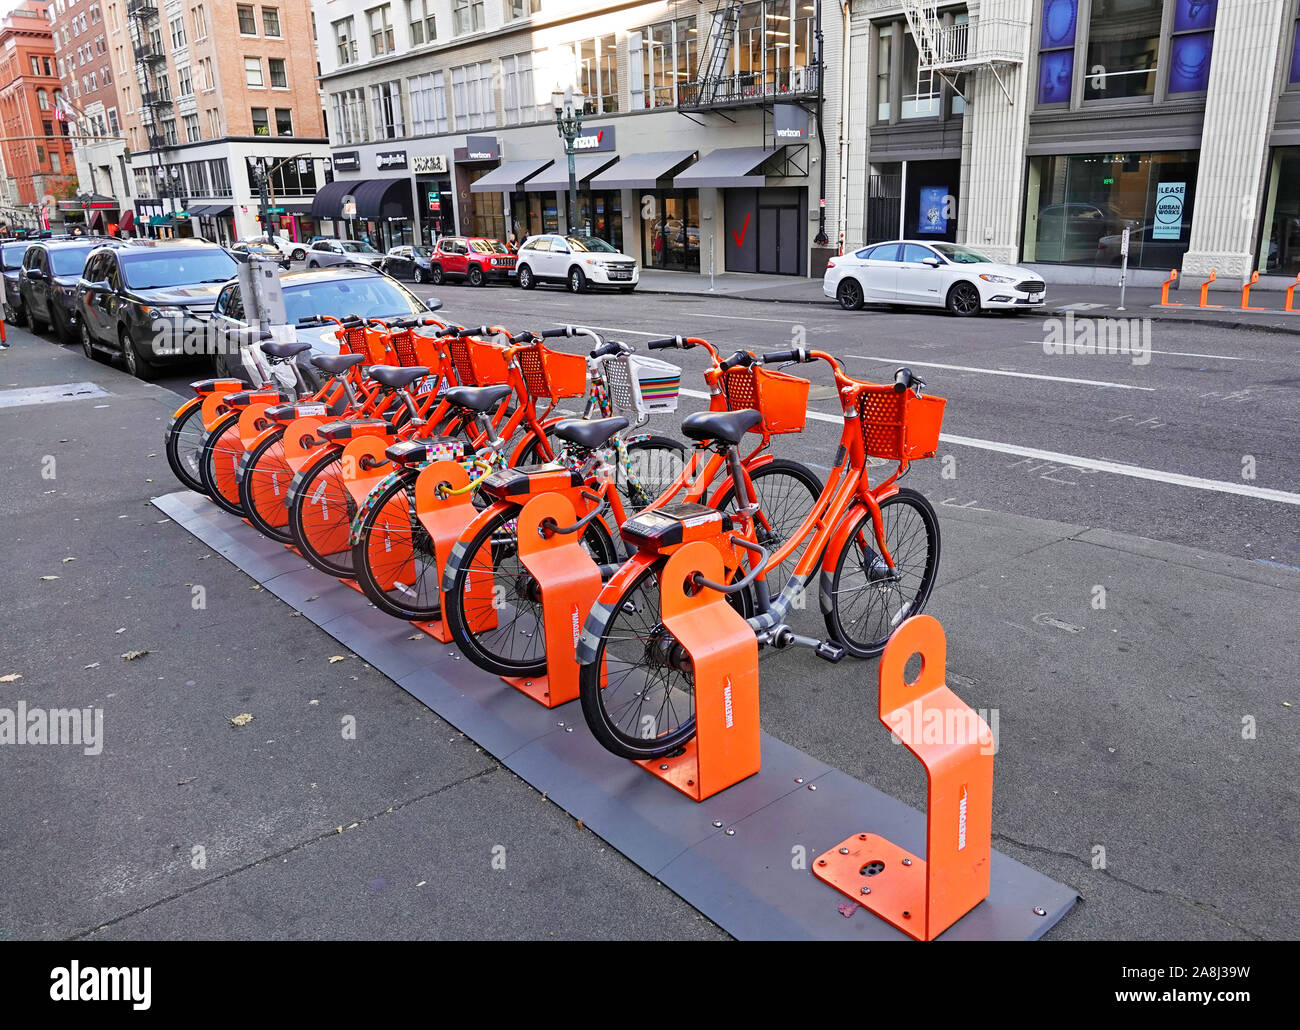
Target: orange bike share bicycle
[875, 550]
[494, 608]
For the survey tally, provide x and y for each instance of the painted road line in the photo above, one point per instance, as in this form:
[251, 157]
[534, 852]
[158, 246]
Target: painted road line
[1182, 354]
[1117, 468]
[744, 318]
[608, 329]
[50, 394]
[1002, 372]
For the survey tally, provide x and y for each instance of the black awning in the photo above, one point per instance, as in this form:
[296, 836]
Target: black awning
[328, 202]
[374, 194]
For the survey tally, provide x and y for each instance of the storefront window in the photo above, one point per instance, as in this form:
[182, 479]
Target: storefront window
[600, 214]
[1123, 41]
[1079, 205]
[1280, 248]
[670, 230]
[535, 213]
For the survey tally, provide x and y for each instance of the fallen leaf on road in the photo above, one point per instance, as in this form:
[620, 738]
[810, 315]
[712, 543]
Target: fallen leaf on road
[48, 578]
[92, 665]
[422, 883]
[337, 658]
[313, 702]
[131, 656]
[66, 560]
[12, 677]
[188, 779]
[313, 597]
[122, 630]
[255, 586]
[243, 719]
[415, 636]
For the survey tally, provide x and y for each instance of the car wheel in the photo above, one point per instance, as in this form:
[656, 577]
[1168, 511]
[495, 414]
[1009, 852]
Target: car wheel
[526, 278]
[138, 366]
[298, 255]
[435, 275]
[312, 264]
[963, 299]
[849, 294]
[577, 281]
[18, 317]
[88, 345]
[419, 274]
[475, 275]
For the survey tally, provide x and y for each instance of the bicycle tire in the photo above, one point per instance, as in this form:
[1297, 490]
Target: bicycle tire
[264, 488]
[320, 515]
[185, 444]
[389, 536]
[222, 449]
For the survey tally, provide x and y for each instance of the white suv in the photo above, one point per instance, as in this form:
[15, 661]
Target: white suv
[580, 262]
[286, 247]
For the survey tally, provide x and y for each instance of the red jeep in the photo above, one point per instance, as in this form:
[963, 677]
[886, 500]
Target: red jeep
[472, 258]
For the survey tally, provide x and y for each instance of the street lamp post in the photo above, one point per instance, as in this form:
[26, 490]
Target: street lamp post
[568, 122]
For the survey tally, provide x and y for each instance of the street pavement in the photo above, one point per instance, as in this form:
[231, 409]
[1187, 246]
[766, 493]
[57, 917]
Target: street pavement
[1118, 585]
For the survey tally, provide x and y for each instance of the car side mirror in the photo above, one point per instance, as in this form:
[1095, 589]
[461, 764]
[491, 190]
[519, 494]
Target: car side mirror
[433, 304]
[101, 286]
[933, 262]
[35, 274]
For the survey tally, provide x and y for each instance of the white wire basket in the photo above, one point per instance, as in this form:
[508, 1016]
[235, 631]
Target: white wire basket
[642, 386]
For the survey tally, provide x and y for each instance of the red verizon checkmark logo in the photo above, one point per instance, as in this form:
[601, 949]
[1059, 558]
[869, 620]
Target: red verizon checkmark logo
[599, 135]
[739, 237]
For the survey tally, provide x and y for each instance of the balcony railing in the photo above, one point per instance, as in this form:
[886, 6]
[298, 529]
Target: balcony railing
[152, 98]
[744, 88]
[150, 54]
[146, 9]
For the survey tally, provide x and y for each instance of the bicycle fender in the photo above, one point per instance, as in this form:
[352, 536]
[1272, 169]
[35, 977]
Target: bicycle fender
[297, 453]
[372, 498]
[295, 484]
[602, 611]
[246, 459]
[837, 544]
[461, 547]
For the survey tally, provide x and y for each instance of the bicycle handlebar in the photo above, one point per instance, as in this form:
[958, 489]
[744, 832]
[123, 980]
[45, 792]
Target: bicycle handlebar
[664, 342]
[732, 588]
[905, 379]
[741, 357]
[527, 336]
[613, 347]
[558, 333]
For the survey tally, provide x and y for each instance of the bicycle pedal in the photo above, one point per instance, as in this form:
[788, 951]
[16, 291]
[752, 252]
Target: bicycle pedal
[830, 651]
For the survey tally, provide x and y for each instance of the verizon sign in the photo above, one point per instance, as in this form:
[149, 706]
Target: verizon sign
[789, 123]
[595, 139]
[482, 148]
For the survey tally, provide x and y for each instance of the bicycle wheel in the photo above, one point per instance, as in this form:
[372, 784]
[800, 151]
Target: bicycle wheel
[490, 575]
[219, 461]
[786, 492]
[264, 488]
[320, 515]
[656, 462]
[185, 444]
[393, 555]
[867, 602]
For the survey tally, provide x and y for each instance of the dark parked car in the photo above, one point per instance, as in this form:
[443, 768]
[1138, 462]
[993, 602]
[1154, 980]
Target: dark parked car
[408, 263]
[47, 285]
[12, 252]
[143, 301]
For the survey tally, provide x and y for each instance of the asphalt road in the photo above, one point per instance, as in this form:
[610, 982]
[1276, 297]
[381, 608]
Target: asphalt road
[1123, 768]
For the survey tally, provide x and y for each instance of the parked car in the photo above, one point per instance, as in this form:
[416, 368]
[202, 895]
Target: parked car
[286, 247]
[47, 285]
[133, 298]
[341, 289]
[1144, 248]
[245, 249]
[472, 259]
[335, 252]
[933, 275]
[11, 256]
[580, 262]
[408, 263]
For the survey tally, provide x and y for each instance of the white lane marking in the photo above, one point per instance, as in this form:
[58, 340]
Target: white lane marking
[608, 329]
[1099, 464]
[741, 318]
[1001, 372]
[1184, 354]
[1080, 307]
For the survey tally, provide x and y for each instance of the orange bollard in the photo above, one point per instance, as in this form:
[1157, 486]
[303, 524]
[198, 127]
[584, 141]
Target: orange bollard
[923, 896]
[1205, 289]
[1245, 293]
[1290, 296]
[1164, 291]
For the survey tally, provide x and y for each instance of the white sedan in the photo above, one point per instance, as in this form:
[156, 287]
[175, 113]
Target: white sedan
[931, 274]
[287, 247]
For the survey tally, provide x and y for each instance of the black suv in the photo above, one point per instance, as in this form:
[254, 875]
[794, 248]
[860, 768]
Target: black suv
[148, 302]
[47, 285]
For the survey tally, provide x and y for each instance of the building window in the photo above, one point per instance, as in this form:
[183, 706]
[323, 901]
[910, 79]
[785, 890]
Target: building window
[271, 22]
[214, 122]
[279, 77]
[178, 33]
[209, 78]
[1056, 51]
[184, 85]
[386, 101]
[1294, 77]
[113, 125]
[191, 128]
[43, 99]
[428, 96]
[381, 30]
[884, 70]
[345, 40]
[516, 9]
[1191, 44]
[48, 127]
[261, 127]
[253, 72]
[467, 16]
[471, 89]
[598, 74]
[200, 22]
[247, 21]
[350, 121]
[283, 121]
[424, 28]
[1123, 43]
[921, 93]
[660, 58]
[55, 164]
[518, 92]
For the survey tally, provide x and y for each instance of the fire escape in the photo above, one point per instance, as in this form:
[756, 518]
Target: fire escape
[151, 72]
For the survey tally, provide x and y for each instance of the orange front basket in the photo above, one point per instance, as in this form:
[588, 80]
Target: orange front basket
[781, 399]
[898, 426]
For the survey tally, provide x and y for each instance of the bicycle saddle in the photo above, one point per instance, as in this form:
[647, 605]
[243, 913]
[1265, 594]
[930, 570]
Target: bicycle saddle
[284, 350]
[395, 376]
[727, 426]
[588, 434]
[336, 363]
[477, 398]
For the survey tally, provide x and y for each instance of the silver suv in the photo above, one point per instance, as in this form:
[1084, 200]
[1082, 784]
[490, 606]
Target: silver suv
[324, 253]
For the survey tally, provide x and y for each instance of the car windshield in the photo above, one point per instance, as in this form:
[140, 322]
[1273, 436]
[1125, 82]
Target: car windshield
[488, 247]
[423, 252]
[591, 244]
[369, 297]
[961, 255]
[353, 247]
[13, 255]
[69, 260]
[177, 268]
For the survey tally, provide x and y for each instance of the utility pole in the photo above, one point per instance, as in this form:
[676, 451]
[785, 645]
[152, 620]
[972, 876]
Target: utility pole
[568, 123]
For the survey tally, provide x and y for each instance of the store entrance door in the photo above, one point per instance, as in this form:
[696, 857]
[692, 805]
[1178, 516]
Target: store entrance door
[778, 231]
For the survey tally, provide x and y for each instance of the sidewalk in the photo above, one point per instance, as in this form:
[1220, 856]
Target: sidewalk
[1089, 300]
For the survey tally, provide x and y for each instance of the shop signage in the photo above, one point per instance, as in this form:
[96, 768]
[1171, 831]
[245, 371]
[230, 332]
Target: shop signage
[482, 148]
[348, 206]
[390, 159]
[789, 123]
[595, 138]
[934, 210]
[348, 161]
[435, 200]
[1169, 211]
[429, 164]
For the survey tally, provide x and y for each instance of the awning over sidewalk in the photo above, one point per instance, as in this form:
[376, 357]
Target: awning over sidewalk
[328, 202]
[373, 194]
[729, 167]
[641, 171]
[296, 209]
[511, 175]
[209, 210]
[556, 178]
